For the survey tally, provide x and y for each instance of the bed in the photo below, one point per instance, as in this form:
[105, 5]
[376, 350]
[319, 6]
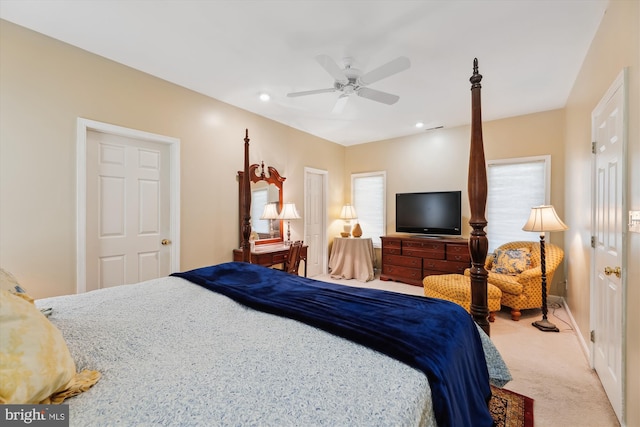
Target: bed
[175, 352]
[240, 344]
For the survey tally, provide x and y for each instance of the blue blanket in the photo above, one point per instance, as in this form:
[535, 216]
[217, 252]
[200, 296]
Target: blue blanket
[434, 336]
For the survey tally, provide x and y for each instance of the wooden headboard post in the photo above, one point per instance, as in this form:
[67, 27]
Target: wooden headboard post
[245, 204]
[477, 188]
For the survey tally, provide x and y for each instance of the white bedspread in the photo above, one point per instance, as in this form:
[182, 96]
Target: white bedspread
[173, 353]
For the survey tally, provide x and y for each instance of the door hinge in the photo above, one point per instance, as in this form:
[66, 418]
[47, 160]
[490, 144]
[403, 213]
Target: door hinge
[592, 336]
[593, 147]
[593, 241]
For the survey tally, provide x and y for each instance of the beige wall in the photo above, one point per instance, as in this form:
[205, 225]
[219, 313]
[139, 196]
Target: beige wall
[46, 85]
[438, 160]
[616, 46]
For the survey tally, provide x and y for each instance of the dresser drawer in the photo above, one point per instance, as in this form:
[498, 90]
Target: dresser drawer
[403, 261]
[391, 251]
[424, 244]
[391, 243]
[459, 253]
[424, 253]
[409, 274]
[450, 267]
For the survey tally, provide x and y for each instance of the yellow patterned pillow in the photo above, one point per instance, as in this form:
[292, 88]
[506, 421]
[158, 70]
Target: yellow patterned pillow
[35, 363]
[511, 261]
[9, 283]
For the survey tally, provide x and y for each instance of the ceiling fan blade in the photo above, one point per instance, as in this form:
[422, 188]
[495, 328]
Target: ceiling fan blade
[310, 92]
[332, 68]
[390, 68]
[376, 95]
[340, 104]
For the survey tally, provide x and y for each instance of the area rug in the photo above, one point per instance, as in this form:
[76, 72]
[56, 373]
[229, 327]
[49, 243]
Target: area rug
[510, 409]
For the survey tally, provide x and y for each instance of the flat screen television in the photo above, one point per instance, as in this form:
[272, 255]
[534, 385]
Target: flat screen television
[432, 213]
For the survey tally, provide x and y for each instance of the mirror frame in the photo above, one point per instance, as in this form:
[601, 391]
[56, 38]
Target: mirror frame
[274, 178]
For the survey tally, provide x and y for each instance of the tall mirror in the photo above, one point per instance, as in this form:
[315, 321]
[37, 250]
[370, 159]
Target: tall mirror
[266, 203]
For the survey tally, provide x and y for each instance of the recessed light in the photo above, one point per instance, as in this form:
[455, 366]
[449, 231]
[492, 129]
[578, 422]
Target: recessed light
[264, 97]
[419, 125]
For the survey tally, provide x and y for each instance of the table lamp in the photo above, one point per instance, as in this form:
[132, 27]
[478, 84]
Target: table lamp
[347, 214]
[270, 212]
[288, 213]
[542, 219]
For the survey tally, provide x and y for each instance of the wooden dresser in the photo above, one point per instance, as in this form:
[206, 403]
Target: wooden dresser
[409, 259]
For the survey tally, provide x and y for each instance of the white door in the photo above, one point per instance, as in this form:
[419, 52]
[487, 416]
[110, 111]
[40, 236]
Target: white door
[607, 294]
[130, 208]
[315, 220]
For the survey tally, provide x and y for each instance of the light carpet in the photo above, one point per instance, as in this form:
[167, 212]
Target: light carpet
[549, 367]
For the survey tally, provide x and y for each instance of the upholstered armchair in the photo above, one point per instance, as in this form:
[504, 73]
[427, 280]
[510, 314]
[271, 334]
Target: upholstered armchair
[521, 284]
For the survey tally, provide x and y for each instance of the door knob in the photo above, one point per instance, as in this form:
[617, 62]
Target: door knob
[609, 271]
[166, 242]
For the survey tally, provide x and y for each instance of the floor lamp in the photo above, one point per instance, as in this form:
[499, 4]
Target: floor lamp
[542, 219]
[289, 212]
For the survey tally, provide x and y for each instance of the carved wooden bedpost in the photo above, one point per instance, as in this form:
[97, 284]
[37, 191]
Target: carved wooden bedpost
[477, 188]
[245, 205]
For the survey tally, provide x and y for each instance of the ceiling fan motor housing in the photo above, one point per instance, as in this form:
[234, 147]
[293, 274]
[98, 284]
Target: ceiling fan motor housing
[348, 88]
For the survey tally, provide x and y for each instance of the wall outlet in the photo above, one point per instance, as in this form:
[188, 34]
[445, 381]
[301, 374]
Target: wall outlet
[634, 221]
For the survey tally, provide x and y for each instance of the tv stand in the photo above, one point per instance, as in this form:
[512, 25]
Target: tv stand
[409, 259]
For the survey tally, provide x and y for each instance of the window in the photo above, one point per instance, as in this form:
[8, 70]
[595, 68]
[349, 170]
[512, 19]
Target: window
[368, 192]
[514, 187]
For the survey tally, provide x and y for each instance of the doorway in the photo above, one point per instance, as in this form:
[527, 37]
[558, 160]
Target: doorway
[128, 205]
[315, 220]
[608, 277]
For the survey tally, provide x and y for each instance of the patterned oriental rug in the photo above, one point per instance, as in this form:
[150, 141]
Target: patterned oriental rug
[510, 409]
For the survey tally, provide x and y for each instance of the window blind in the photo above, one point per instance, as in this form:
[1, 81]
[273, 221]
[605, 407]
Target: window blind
[368, 197]
[514, 187]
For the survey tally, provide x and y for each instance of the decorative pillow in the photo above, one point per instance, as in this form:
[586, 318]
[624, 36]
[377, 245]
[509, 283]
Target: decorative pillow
[9, 283]
[511, 261]
[35, 363]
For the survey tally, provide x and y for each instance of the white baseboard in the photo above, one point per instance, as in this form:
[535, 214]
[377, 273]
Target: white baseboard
[583, 344]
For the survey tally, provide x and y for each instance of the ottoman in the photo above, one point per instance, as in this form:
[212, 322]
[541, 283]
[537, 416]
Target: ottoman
[457, 288]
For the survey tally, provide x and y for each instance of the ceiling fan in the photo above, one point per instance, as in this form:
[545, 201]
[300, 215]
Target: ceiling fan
[351, 80]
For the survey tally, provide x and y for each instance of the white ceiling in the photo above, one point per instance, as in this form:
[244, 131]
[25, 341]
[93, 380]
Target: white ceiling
[529, 52]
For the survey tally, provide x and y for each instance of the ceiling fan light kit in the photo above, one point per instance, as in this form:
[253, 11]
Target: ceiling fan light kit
[351, 80]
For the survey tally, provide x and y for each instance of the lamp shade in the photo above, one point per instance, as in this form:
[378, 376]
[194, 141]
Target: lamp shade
[544, 218]
[348, 212]
[289, 211]
[270, 211]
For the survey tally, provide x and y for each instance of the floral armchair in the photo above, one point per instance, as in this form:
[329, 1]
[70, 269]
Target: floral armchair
[515, 268]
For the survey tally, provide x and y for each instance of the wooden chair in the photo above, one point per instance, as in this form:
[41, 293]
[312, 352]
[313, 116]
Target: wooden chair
[292, 262]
